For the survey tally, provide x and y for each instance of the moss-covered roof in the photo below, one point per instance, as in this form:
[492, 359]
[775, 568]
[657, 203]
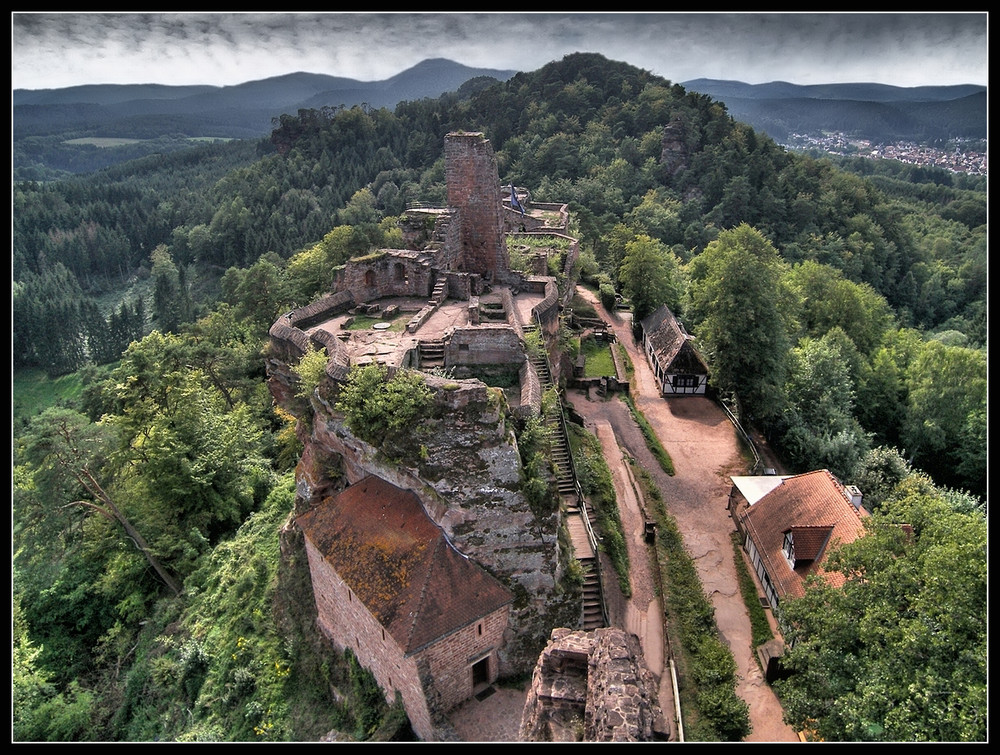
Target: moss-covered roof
[671, 345]
[400, 564]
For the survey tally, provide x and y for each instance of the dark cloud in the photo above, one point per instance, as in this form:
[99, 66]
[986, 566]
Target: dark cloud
[907, 49]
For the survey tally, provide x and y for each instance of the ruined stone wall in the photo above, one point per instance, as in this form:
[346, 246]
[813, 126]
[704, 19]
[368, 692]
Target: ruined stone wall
[555, 220]
[531, 391]
[349, 625]
[461, 286]
[546, 312]
[384, 274]
[286, 346]
[322, 309]
[593, 687]
[486, 345]
[473, 189]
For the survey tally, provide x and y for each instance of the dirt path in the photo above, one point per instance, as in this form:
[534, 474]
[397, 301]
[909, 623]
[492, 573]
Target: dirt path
[704, 448]
[705, 451]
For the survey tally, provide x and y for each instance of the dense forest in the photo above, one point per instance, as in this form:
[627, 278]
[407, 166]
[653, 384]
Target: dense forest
[841, 307]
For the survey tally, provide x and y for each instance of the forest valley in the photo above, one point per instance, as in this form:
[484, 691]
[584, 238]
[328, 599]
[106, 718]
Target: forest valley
[844, 316]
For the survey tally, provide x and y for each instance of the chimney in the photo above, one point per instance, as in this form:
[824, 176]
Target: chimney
[853, 495]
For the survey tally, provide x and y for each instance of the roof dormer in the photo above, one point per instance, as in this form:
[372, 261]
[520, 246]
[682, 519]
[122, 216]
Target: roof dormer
[804, 544]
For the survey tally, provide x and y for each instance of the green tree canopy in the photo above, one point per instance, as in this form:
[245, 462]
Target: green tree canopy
[898, 653]
[821, 430]
[828, 300]
[740, 309]
[650, 276]
[945, 429]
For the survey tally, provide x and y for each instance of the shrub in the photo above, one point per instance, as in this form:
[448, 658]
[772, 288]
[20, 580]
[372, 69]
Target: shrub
[377, 409]
[607, 293]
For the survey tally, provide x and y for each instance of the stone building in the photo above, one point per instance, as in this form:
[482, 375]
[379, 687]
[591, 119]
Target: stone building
[391, 588]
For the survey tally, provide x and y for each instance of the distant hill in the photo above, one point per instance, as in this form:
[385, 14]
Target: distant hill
[55, 130]
[239, 111]
[878, 112]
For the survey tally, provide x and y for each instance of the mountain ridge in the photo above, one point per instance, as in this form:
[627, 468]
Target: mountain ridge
[239, 111]
[878, 112]
[248, 110]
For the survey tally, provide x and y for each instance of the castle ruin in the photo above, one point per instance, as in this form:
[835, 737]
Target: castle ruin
[452, 308]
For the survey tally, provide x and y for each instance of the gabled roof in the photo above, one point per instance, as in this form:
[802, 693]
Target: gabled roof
[818, 512]
[380, 541]
[671, 345]
[810, 540]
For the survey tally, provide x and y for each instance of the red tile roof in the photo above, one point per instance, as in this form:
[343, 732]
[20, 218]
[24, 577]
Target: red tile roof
[817, 510]
[400, 564]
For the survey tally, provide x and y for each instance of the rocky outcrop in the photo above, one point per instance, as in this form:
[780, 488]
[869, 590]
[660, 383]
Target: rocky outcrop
[463, 463]
[674, 153]
[592, 687]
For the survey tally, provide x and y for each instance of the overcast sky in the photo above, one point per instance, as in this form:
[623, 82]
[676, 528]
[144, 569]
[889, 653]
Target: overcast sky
[53, 50]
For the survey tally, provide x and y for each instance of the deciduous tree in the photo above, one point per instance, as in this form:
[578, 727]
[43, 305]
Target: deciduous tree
[898, 652]
[740, 310]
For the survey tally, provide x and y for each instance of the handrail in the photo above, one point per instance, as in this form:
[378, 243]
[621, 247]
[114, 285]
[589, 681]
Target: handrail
[581, 499]
[743, 434]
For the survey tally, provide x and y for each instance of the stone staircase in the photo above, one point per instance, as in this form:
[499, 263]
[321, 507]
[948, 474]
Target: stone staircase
[593, 610]
[430, 353]
[570, 500]
[440, 293]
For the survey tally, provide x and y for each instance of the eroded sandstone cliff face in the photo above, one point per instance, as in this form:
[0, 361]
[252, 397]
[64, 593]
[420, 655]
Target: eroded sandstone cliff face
[592, 687]
[464, 464]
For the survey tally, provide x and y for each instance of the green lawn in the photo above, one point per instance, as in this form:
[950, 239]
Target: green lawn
[600, 362]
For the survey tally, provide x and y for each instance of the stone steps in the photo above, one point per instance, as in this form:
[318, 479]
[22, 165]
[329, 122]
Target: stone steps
[431, 353]
[593, 608]
[561, 456]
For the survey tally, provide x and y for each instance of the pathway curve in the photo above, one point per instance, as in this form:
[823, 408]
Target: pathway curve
[705, 451]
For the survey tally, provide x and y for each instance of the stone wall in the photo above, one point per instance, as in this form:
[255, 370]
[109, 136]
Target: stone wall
[484, 345]
[386, 273]
[451, 660]
[349, 625]
[593, 687]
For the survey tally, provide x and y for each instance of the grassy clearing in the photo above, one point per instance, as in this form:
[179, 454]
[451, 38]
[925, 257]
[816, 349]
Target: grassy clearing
[363, 322]
[600, 361]
[32, 392]
[100, 141]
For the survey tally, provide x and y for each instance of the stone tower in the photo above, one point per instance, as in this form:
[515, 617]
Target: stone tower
[474, 190]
